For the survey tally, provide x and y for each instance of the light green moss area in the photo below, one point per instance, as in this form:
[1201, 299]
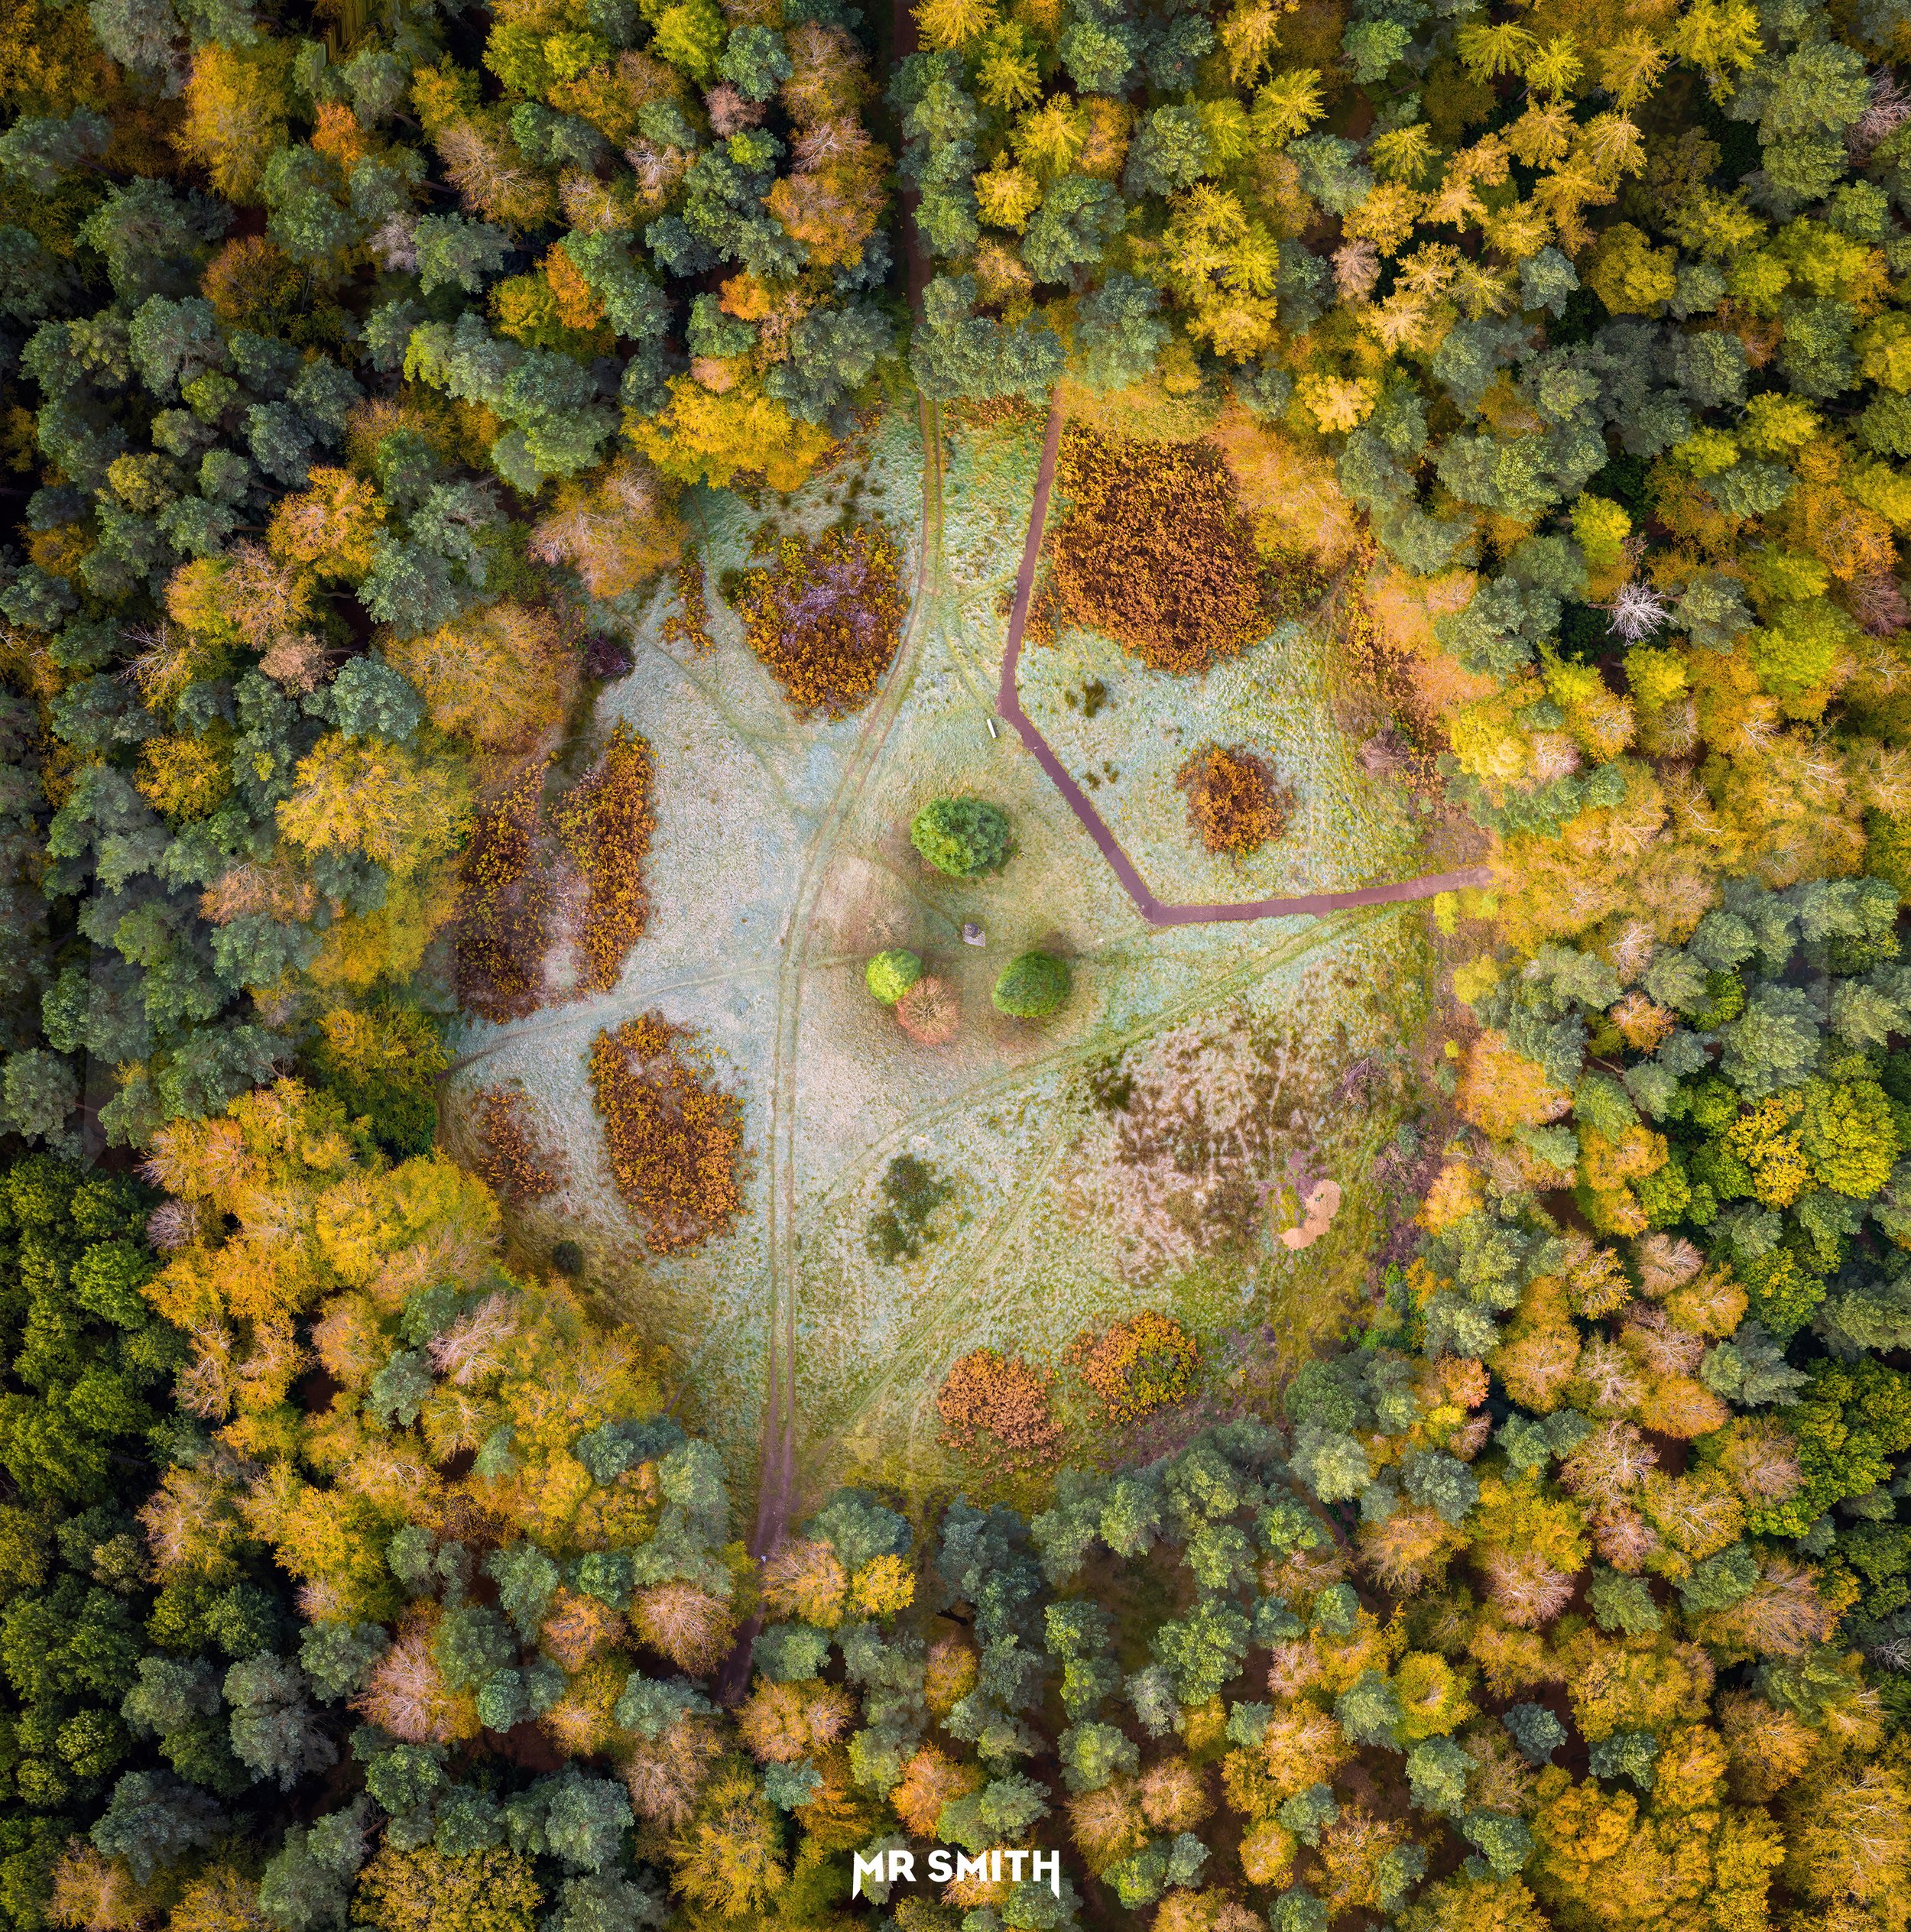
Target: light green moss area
[1115, 1156]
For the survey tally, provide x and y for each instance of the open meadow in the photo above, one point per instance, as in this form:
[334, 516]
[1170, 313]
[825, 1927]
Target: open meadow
[1138, 1149]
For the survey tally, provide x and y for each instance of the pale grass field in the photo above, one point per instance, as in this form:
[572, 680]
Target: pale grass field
[1066, 1213]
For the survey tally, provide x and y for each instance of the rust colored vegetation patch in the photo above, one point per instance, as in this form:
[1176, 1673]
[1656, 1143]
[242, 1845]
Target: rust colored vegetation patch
[1235, 802]
[512, 1161]
[676, 1141]
[605, 824]
[503, 905]
[1139, 1366]
[825, 617]
[995, 1407]
[1155, 552]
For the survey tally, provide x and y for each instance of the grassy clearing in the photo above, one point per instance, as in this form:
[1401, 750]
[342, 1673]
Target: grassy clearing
[1064, 1209]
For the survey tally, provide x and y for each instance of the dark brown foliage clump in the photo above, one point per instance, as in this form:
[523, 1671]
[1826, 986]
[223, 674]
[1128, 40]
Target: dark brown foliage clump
[605, 824]
[675, 1140]
[511, 1161]
[503, 903]
[1155, 552]
[606, 658]
[825, 617]
[1234, 801]
[996, 1408]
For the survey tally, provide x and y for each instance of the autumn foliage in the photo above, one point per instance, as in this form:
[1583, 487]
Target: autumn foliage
[996, 1408]
[511, 1161]
[1140, 1364]
[1235, 803]
[604, 824]
[825, 617]
[504, 902]
[675, 1141]
[1154, 551]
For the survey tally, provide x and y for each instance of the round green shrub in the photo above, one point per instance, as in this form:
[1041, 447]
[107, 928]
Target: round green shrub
[961, 837]
[890, 974]
[1033, 987]
[568, 1259]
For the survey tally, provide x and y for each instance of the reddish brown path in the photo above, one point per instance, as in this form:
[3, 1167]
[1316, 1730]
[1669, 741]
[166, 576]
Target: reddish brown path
[1009, 704]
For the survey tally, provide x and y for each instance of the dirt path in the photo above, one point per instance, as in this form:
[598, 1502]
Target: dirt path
[777, 1465]
[777, 1479]
[777, 1475]
[1151, 908]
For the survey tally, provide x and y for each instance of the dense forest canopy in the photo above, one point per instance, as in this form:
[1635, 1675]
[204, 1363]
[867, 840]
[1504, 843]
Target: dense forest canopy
[360, 373]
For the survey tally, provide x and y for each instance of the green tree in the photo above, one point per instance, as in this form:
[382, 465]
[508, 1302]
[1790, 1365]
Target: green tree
[963, 837]
[890, 974]
[1033, 986]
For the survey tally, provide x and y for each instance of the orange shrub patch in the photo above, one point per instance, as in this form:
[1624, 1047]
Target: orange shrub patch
[996, 1407]
[606, 824]
[1234, 801]
[675, 1140]
[826, 617]
[1155, 551]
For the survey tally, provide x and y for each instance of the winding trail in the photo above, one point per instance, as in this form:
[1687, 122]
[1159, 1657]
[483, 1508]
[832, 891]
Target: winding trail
[1009, 704]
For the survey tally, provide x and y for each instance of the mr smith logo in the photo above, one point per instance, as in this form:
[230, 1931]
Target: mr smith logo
[896, 1865]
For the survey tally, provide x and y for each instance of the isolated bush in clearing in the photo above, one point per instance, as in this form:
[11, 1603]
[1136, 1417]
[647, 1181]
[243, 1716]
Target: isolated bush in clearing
[605, 824]
[1155, 552]
[1139, 1366]
[607, 658]
[930, 1012]
[1235, 803]
[964, 837]
[511, 1161]
[890, 974]
[675, 1141]
[996, 1408]
[826, 617]
[914, 1191]
[1033, 987]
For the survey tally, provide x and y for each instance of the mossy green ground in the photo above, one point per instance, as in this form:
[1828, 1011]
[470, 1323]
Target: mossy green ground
[1134, 1151]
